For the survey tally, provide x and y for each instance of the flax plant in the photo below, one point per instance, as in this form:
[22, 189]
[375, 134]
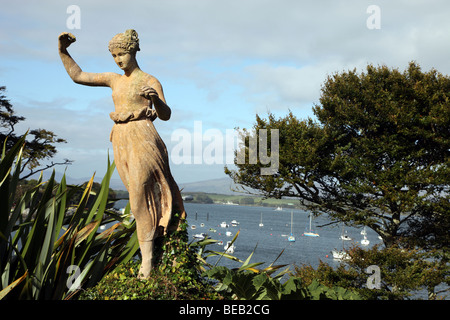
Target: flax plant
[48, 244]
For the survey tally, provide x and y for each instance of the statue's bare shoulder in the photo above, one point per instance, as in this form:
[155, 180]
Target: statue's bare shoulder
[153, 82]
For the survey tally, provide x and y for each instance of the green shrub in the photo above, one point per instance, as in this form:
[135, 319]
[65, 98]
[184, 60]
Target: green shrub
[123, 284]
[244, 284]
[176, 276]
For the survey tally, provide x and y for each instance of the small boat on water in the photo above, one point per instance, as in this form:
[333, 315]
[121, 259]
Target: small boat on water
[344, 235]
[364, 241]
[234, 223]
[340, 255]
[229, 247]
[201, 236]
[291, 237]
[310, 232]
[193, 227]
[261, 224]
[228, 234]
[224, 225]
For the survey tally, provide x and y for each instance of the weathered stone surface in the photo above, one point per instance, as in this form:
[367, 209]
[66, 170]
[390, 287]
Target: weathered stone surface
[139, 152]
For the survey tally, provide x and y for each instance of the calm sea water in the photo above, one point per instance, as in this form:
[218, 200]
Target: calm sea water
[271, 239]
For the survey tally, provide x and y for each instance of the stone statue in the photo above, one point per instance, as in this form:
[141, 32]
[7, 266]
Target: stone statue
[139, 153]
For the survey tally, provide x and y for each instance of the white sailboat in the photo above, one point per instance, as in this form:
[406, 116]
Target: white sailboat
[341, 254]
[344, 235]
[261, 224]
[365, 241]
[310, 232]
[291, 238]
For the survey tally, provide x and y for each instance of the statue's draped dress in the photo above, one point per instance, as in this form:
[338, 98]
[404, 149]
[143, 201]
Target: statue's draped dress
[143, 164]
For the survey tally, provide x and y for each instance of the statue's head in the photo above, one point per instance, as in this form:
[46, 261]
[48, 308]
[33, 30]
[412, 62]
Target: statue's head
[127, 41]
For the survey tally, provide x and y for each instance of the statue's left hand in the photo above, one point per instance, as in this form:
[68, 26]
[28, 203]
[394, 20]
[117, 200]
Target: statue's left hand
[148, 92]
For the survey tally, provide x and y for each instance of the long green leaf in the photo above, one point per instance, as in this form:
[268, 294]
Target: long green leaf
[99, 206]
[6, 165]
[14, 284]
[33, 246]
[79, 214]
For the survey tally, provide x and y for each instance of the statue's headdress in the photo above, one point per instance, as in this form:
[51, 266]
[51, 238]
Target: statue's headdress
[127, 40]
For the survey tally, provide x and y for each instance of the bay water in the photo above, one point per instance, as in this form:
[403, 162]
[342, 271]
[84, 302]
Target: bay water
[269, 241]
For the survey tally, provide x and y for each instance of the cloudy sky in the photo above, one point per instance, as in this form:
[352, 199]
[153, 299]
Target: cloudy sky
[220, 62]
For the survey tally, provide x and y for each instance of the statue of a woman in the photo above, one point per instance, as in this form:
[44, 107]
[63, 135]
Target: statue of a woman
[139, 153]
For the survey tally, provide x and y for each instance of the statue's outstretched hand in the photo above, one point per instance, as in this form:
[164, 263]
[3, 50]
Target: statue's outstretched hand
[65, 40]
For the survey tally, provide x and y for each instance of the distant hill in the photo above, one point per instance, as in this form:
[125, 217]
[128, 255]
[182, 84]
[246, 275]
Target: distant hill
[220, 186]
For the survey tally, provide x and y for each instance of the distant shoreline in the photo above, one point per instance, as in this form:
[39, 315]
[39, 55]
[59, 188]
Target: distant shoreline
[241, 200]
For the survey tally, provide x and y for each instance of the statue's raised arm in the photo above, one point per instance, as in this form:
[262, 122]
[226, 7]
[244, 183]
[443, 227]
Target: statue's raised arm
[65, 39]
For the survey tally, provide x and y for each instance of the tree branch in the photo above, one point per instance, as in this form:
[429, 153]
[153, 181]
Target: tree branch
[32, 171]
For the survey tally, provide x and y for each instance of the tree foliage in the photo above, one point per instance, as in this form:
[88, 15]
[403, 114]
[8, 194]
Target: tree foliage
[40, 148]
[403, 274]
[377, 156]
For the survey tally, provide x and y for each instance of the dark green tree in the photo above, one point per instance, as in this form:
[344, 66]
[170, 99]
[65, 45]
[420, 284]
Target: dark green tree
[401, 274]
[203, 198]
[377, 155]
[39, 147]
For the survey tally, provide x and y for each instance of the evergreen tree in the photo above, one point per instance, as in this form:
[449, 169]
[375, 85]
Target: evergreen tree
[377, 156]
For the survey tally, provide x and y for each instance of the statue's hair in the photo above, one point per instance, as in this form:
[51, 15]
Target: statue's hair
[127, 40]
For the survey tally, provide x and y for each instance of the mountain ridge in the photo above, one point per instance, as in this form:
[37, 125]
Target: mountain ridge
[219, 185]
[223, 185]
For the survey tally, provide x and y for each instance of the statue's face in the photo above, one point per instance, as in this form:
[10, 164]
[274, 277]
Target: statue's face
[122, 58]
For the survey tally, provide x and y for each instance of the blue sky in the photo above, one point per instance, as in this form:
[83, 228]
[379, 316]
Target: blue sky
[220, 62]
